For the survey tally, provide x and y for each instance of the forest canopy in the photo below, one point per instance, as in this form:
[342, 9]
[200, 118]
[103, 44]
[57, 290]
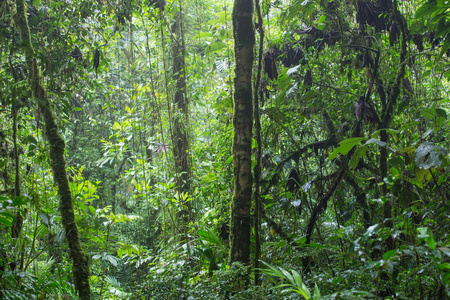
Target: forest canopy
[162, 149]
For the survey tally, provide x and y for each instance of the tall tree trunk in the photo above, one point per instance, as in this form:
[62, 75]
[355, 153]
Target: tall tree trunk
[17, 225]
[180, 115]
[57, 160]
[386, 115]
[244, 40]
[257, 171]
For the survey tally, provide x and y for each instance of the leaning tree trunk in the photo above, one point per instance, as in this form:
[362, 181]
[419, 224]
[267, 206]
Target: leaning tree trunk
[57, 160]
[244, 41]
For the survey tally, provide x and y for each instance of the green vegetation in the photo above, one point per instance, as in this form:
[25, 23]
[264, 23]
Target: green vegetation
[159, 149]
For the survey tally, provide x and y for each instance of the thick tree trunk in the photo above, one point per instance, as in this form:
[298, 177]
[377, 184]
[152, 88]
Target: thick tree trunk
[244, 41]
[57, 160]
[180, 118]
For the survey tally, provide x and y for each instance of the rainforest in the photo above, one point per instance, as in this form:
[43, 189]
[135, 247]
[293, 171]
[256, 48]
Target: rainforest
[238, 149]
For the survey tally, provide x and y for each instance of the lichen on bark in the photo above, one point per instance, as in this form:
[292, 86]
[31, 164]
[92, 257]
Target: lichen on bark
[244, 41]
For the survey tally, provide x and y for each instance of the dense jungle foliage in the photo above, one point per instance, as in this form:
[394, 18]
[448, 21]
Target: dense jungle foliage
[282, 149]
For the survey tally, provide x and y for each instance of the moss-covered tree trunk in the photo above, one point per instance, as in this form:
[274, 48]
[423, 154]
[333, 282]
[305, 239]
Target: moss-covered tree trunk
[57, 160]
[244, 40]
[386, 117]
[180, 115]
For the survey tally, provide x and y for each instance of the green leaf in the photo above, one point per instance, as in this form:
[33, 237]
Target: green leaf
[357, 156]
[292, 70]
[6, 218]
[44, 218]
[254, 144]
[345, 146]
[215, 46]
[376, 141]
[370, 231]
[427, 9]
[21, 200]
[287, 275]
[203, 35]
[389, 254]
[316, 292]
[429, 155]
[426, 73]
[425, 234]
[112, 260]
[222, 16]
[209, 236]
[297, 278]
[30, 140]
[321, 22]
[444, 267]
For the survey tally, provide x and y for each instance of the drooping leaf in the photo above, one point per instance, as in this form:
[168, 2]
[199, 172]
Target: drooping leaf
[388, 255]
[425, 234]
[215, 46]
[376, 141]
[429, 155]
[209, 236]
[6, 218]
[357, 156]
[20, 200]
[345, 146]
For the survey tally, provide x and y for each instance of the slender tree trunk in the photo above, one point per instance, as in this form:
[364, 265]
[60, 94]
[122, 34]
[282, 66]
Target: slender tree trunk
[57, 160]
[17, 225]
[386, 115]
[257, 170]
[244, 40]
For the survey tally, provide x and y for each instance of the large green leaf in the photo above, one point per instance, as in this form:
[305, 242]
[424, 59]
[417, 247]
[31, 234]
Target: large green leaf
[345, 146]
[425, 234]
[429, 155]
[20, 200]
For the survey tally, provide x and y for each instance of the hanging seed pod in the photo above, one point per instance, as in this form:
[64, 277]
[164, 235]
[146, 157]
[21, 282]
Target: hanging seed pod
[270, 67]
[162, 4]
[76, 54]
[96, 60]
[418, 41]
[433, 41]
[121, 18]
[333, 5]
[293, 182]
[360, 14]
[365, 111]
[385, 5]
[394, 33]
[365, 14]
[366, 59]
[308, 79]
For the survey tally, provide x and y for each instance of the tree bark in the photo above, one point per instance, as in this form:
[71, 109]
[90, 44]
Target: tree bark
[57, 160]
[386, 114]
[244, 41]
[180, 119]
[257, 170]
